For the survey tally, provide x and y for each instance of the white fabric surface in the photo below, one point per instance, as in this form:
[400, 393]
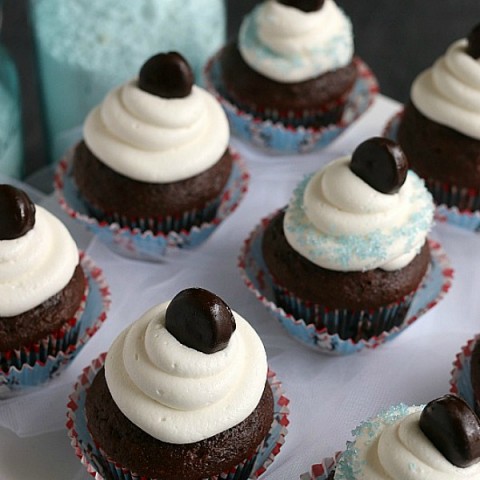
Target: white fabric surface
[329, 395]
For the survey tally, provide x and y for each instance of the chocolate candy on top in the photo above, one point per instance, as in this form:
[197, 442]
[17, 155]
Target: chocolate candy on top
[473, 47]
[304, 5]
[381, 163]
[166, 75]
[200, 319]
[17, 213]
[452, 426]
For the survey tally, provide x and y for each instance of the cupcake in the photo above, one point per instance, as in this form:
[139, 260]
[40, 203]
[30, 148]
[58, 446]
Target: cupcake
[345, 259]
[292, 64]
[439, 129]
[465, 380]
[44, 290]
[351, 249]
[155, 158]
[440, 440]
[183, 394]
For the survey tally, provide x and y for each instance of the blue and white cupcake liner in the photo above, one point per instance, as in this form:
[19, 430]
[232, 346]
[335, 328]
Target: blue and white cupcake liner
[460, 381]
[444, 194]
[278, 138]
[101, 468]
[40, 364]
[255, 274]
[321, 471]
[146, 245]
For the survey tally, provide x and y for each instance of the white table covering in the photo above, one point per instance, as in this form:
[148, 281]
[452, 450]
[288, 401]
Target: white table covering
[329, 395]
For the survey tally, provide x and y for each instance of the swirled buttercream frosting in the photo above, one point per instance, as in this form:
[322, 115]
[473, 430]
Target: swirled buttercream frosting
[289, 45]
[392, 446]
[153, 139]
[449, 92]
[339, 222]
[37, 265]
[178, 394]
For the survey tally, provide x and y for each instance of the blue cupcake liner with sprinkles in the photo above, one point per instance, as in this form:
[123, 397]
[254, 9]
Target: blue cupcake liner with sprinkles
[278, 138]
[321, 471]
[446, 196]
[255, 274]
[101, 468]
[460, 381]
[134, 243]
[40, 367]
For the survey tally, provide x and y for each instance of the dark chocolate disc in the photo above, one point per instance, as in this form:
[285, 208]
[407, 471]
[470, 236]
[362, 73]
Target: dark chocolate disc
[473, 47]
[17, 213]
[200, 319]
[381, 163]
[166, 75]
[452, 426]
[304, 5]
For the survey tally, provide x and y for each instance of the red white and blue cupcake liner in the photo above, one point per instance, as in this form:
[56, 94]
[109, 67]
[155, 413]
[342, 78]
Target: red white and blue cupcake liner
[135, 242]
[446, 194]
[102, 468]
[321, 471]
[279, 138]
[255, 274]
[36, 364]
[460, 381]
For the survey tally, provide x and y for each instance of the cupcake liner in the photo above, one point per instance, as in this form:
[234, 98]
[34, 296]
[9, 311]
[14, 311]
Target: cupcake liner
[158, 225]
[448, 198]
[321, 471]
[460, 381]
[255, 274]
[99, 467]
[146, 245]
[52, 344]
[39, 369]
[345, 323]
[279, 138]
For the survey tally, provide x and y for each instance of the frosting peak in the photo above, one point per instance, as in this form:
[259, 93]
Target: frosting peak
[449, 92]
[290, 45]
[339, 222]
[178, 394]
[37, 265]
[154, 139]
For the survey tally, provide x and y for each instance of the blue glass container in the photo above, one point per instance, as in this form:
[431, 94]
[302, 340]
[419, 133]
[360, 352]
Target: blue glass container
[85, 47]
[11, 137]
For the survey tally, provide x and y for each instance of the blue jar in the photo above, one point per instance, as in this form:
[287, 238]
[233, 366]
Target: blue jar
[11, 137]
[85, 48]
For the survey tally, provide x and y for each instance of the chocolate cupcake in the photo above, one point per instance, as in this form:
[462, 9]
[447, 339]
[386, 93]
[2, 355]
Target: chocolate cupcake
[155, 152]
[348, 254]
[440, 440]
[183, 394]
[43, 292]
[292, 65]
[439, 129]
[155, 157]
[350, 250]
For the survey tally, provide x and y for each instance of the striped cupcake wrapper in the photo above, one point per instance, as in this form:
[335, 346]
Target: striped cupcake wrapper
[33, 366]
[323, 470]
[101, 467]
[52, 344]
[347, 324]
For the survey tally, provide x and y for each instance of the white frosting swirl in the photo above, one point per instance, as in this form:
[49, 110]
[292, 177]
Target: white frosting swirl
[288, 45]
[392, 446]
[154, 139]
[339, 222]
[449, 92]
[37, 265]
[178, 394]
